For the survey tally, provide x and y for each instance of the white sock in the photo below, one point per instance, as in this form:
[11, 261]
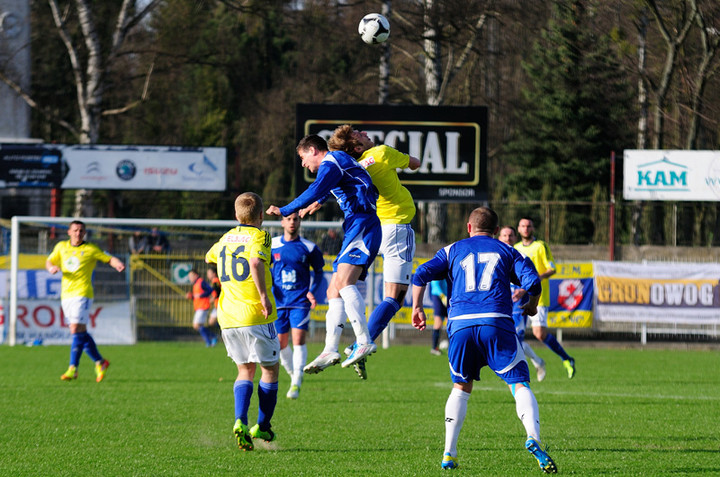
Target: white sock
[355, 309]
[286, 359]
[334, 324]
[536, 360]
[299, 362]
[527, 410]
[455, 410]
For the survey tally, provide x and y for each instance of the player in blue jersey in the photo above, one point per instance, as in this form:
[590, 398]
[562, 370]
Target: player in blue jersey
[480, 327]
[341, 176]
[292, 258]
[508, 235]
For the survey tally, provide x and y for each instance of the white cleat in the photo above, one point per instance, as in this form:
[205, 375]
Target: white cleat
[541, 371]
[294, 392]
[325, 360]
[360, 352]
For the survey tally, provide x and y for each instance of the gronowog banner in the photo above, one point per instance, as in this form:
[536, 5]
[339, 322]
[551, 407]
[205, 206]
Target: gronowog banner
[683, 293]
[571, 296]
[110, 322]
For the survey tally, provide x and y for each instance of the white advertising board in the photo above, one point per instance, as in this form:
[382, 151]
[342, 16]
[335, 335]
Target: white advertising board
[144, 167]
[673, 175]
[110, 322]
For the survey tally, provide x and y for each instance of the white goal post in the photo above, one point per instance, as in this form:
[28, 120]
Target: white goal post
[18, 221]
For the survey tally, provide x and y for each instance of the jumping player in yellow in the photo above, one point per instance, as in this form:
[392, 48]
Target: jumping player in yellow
[77, 259]
[246, 314]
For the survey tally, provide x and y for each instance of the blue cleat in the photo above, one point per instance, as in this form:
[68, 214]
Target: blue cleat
[545, 461]
[449, 462]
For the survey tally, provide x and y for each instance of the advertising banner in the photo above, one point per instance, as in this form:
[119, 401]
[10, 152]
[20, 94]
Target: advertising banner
[450, 142]
[29, 166]
[571, 296]
[671, 175]
[144, 168]
[687, 293]
[43, 321]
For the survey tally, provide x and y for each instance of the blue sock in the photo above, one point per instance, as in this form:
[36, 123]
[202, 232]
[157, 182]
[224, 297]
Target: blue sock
[76, 348]
[554, 345]
[205, 333]
[243, 391]
[435, 338]
[91, 348]
[267, 394]
[381, 316]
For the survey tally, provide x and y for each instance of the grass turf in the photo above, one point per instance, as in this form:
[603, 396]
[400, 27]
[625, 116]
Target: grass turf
[167, 409]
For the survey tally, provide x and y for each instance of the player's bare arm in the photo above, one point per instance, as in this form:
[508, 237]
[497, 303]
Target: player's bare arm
[313, 301]
[51, 268]
[117, 264]
[419, 320]
[310, 209]
[273, 210]
[530, 308]
[257, 271]
[414, 163]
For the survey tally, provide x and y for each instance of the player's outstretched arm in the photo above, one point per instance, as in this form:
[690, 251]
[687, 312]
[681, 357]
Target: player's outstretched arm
[117, 264]
[273, 210]
[419, 319]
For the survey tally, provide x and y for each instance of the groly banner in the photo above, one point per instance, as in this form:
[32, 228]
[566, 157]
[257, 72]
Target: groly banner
[686, 293]
[450, 142]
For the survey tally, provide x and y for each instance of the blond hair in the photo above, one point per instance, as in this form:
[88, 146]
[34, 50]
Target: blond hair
[248, 208]
[343, 140]
[483, 219]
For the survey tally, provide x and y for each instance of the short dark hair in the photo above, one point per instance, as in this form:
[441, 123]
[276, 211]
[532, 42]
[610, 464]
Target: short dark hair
[483, 219]
[312, 140]
[78, 222]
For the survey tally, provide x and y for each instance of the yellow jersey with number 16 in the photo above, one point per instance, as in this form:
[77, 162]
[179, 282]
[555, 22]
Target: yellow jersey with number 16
[239, 303]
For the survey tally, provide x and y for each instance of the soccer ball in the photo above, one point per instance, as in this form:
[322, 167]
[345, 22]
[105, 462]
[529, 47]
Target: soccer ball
[444, 344]
[374, 28]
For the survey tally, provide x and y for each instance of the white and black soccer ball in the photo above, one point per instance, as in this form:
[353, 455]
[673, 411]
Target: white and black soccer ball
[374, 28]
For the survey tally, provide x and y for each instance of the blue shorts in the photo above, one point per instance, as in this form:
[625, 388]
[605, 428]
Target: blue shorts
[363, 236]
[292, 317]
[475, 347]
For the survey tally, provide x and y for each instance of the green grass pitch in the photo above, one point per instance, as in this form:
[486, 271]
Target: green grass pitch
[167, 409]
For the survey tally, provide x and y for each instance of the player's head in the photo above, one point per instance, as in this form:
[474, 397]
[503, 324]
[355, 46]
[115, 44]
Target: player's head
[507, 235]
[249, 208]
[312, 150]
[193, 275]
[526, 228]
[482, 221]
[211, 273]
[76, 232]
[291, 224]
[350, 140]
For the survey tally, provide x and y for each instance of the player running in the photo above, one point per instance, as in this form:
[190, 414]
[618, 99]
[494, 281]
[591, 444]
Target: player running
[292, 258]
[340, 175]
[480, 328]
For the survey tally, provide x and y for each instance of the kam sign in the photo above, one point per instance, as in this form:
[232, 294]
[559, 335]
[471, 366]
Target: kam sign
[450, 142]
[672, 175]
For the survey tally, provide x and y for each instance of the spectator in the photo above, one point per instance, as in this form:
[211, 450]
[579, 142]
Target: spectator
[138, 243]
[158, 242]
[331, 242]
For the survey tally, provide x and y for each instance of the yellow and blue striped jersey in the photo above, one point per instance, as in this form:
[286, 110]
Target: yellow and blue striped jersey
[395, 204]
[239, 303]
[542, 258]
[77, 265]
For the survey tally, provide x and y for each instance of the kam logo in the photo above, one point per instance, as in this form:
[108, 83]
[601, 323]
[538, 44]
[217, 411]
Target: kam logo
[662, 176]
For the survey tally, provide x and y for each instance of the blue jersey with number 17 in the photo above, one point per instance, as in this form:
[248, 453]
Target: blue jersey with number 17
[479, 270]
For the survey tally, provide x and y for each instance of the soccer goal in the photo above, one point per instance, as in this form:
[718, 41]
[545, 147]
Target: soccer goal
[150, 294]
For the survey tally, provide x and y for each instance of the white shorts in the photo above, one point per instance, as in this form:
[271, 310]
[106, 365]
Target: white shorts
[77, 309]
[252, 344]
[200, 317]
[397, 249]
[541, 318]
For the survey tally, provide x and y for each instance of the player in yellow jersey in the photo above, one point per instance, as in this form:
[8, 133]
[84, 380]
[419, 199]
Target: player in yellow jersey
[246, 312]
[542, 258]
[77, 259]
[395, 209]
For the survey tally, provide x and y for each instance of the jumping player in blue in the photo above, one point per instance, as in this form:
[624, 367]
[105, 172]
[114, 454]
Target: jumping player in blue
[480, 327]
[341, 175]
[292, 258]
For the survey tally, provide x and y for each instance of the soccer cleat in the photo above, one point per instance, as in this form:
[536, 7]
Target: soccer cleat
[435, 352]
[100, 370]
[348, 351]
[541, 370]
[70, 374]
[545, 461]
[213, 342]
[325, 360]
[569, 365]
[449, 462]
[267, 436]
[293, 392]
[358, 353]
[242, 435]
[359, 368]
